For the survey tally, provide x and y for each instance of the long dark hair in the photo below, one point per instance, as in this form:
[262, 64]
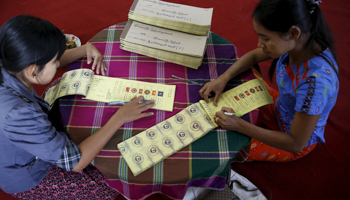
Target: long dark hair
[26, 40]
[281, 15]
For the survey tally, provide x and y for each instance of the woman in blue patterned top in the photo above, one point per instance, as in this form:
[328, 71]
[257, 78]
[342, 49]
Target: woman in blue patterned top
[295, 34]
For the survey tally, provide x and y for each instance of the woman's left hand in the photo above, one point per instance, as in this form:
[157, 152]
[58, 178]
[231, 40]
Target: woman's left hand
[92, 53]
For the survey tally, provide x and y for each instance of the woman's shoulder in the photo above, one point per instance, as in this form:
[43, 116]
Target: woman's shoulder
[320, 73]
[17, 109]
[9, 100]
[324, 65]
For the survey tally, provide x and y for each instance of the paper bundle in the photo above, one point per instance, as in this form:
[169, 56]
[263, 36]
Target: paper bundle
[167, 31]
[174, 16]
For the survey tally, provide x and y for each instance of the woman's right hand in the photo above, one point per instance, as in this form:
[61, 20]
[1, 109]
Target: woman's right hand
[216, 86]
[134, 110]
[226, 122]
[92, 145]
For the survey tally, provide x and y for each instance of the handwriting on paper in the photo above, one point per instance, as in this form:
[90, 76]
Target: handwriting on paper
[169, 40]
[184, 13]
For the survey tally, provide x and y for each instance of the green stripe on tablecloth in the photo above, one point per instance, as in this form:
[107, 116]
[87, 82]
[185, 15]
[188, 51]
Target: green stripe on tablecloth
[219, 40]
[123, 167]
[202, 155]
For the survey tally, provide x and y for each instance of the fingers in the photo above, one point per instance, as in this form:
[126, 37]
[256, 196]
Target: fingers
[205, 92]
[146, 114]
[219, 120]
[206, 95]
[94, 64]
[216, 98]
[142, 105]
[94, 55]
[89, 59]
[142, 115]
[202, 93]
[147, 105]
[207, 89]
[103, 67]
[206, 99]
[202, 90]
[136, 97]
[226, 109]
[220, 114]
[220, 117]
[98, 64]
[216, 119]
[135, 109]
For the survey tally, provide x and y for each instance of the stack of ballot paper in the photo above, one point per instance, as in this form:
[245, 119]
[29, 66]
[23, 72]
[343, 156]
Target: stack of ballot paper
[174, 16]
[162, 30]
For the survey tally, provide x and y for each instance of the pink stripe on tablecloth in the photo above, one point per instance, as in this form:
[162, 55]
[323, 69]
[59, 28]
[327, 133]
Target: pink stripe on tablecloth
[133, 66]
[211, 56]
[98, 116]
[109, 46]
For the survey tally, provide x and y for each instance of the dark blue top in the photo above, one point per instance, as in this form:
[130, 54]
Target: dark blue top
[29, 144]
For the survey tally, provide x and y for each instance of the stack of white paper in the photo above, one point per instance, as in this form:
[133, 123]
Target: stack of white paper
[174, 16]
[166, 31]
[164, 44]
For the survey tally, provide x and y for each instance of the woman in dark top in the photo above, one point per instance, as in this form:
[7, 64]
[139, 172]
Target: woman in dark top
[36, 160]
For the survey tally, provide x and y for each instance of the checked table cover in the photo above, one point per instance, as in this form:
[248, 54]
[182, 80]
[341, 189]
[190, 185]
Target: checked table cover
[204, 163]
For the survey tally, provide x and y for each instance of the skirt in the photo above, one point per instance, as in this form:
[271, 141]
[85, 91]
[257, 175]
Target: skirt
[62, 184]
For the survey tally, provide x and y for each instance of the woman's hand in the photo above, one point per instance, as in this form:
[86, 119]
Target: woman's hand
[134, 110]
[216, 86]
[92, 53]
[226, 121]
[88, 50]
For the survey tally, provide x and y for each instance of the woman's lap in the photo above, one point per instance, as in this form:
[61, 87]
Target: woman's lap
[62, 184]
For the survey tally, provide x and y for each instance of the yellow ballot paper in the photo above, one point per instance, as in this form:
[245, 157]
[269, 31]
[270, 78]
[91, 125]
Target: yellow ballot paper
[110, 89]
[75, 82]
[151, 146]
[162, 140]
[242, 99]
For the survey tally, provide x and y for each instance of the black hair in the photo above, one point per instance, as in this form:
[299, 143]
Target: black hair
[281, 15]
[26, 40]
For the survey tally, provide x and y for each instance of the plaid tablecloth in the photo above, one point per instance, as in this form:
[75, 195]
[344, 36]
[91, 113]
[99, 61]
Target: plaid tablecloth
[204, 163]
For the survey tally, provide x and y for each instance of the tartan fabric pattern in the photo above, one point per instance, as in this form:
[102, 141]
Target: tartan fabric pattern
[204, 163]
[70, 156]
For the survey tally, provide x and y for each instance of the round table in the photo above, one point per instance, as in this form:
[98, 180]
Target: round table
[204, 163]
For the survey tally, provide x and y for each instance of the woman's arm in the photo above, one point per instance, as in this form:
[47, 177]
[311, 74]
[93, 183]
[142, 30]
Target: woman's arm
[88, 50]
[92, 145]
[242, 64]
[245, 62]
[300, 131]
